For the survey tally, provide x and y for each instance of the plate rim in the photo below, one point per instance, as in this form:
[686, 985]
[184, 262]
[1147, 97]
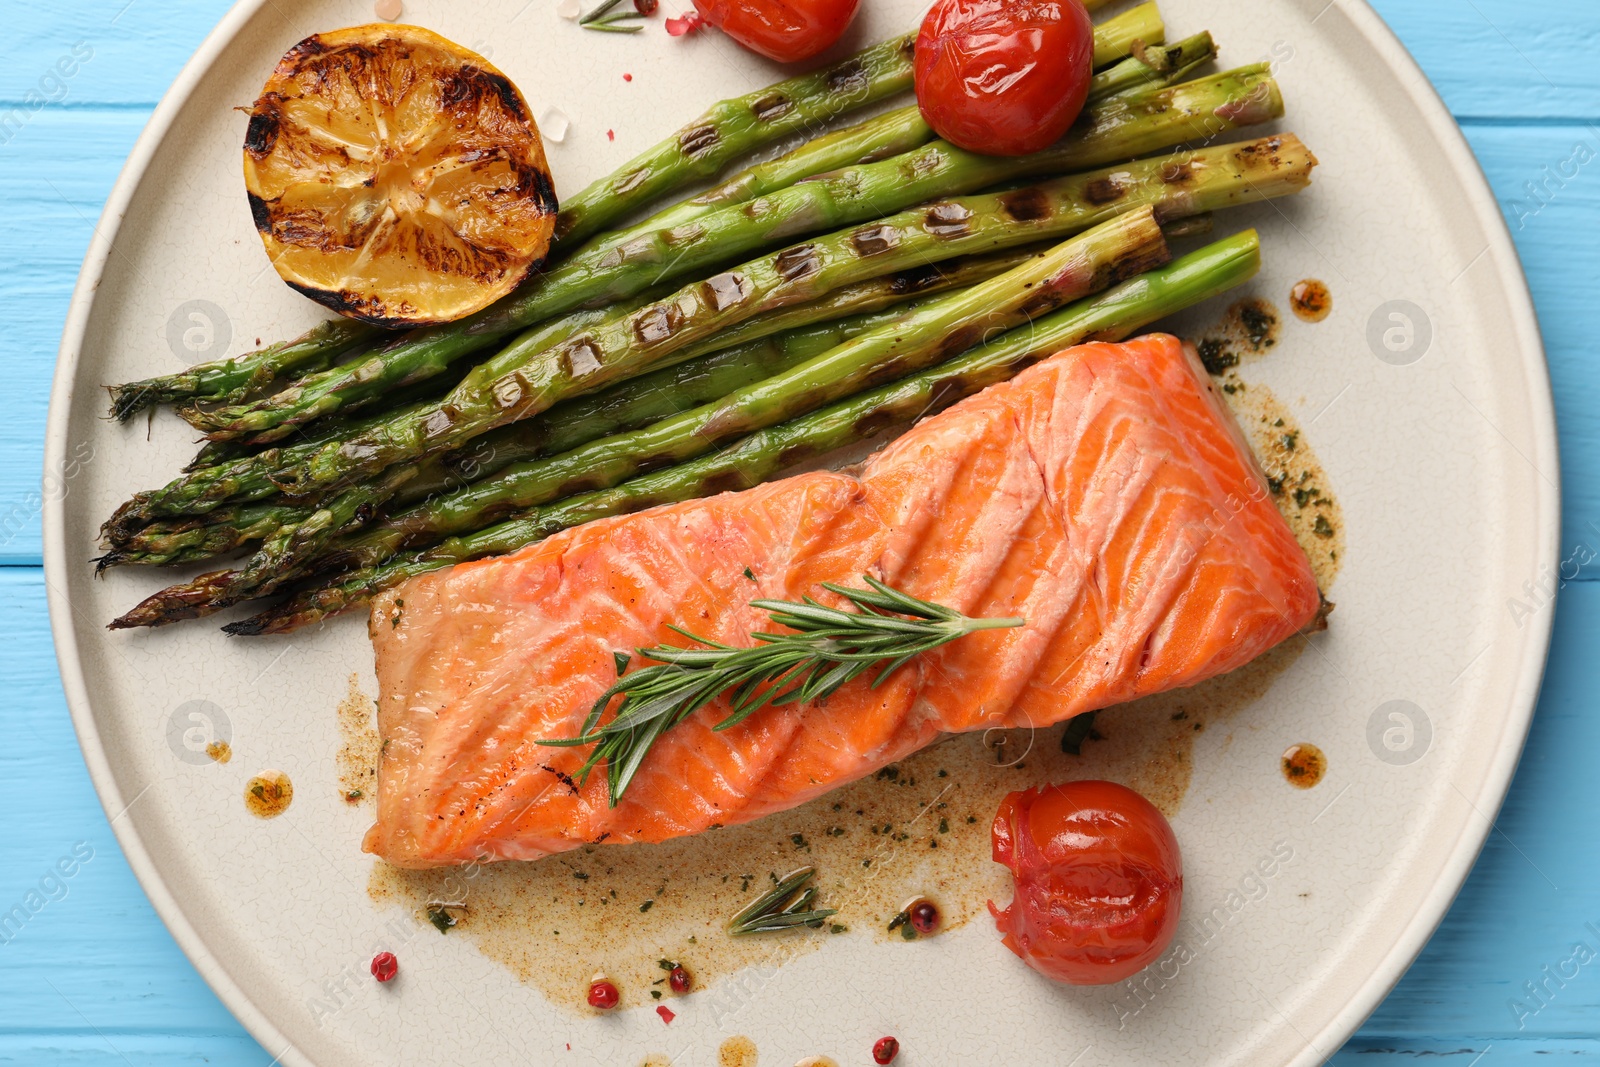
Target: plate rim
[1430, 910]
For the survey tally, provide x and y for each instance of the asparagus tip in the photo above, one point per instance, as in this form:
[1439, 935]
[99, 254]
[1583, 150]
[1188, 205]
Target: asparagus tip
[254, 626]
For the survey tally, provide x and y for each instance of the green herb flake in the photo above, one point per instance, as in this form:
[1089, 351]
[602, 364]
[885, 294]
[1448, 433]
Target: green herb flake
[647, 905]
[442, 919]
[1079, 728]
[1215, 357]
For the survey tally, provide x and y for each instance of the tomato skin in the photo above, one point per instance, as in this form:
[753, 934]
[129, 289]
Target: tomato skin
[1004, 77]
[785, 30]
[1099, 880]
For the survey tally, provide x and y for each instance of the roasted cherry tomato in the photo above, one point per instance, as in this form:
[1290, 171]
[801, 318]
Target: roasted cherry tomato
[785, 30]
[1098, 880]
[1004, 77]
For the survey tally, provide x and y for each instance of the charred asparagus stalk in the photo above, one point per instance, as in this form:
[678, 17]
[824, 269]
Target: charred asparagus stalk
[235, 379]
[523, 381]
[1127, 245]
[757, 458]
[1177, 186]
[728, 130]
[736, 127]
[1153, 67]
[807, 331]
[615, 269]
[1117, 249]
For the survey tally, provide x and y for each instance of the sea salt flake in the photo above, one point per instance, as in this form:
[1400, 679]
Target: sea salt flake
[554, 125]
[569, 9]
[388, 10]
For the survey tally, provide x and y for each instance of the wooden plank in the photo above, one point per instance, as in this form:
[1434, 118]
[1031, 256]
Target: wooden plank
[121, 52]
[1497, 58]
[1505, 58]
[54, 178]
[1553, 220]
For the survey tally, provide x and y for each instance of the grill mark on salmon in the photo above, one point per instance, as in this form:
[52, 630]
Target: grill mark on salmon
[1104, 495]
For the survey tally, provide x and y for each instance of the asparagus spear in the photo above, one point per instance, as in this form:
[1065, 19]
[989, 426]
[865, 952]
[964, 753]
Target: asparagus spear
[1153, 67]
[1197, 181]
[1116, 37]
[729, 129]
[1126, 245]
[1112, 316]
[617, 268]
[522, 381]
[875, 139]
[1117, 249]
[889, 134]
[234, 379]
[735, 127]
[807, 331]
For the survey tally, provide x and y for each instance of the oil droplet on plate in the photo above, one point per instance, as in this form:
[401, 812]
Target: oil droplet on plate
[268, 794]
[737, 1052]
[1304, 765]
[817, 1061]
[220, 751]
[1311, 300]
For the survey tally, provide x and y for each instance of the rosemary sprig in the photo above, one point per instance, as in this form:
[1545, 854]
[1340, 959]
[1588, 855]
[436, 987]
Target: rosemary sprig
[829, 648]
[783, 907]
[602, 19]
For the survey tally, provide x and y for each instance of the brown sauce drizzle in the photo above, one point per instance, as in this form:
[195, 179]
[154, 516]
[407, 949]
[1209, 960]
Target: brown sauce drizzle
[737, 1051]
[268, 794]
[1310, 300]
[357, 759]
[1304, 765]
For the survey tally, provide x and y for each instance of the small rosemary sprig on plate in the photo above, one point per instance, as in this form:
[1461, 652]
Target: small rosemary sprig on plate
[830, 647]
[783, 907]
[602, 19]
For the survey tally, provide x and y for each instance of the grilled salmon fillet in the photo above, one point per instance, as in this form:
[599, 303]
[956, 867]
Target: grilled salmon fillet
[1104, 495]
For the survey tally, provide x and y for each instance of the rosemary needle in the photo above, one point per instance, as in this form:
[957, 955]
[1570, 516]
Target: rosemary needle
[601, 19]
[828, 648]
[783, 907]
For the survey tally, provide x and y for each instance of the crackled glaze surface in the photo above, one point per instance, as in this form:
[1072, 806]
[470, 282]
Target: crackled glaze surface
[1304, 904]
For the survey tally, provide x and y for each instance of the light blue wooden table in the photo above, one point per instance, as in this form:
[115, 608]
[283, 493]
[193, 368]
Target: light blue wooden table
[93, 977]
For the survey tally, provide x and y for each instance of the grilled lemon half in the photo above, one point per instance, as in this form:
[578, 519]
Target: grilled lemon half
[396, 177]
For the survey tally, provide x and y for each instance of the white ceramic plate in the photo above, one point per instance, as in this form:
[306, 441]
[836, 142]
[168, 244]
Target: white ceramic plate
[1442, 453]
